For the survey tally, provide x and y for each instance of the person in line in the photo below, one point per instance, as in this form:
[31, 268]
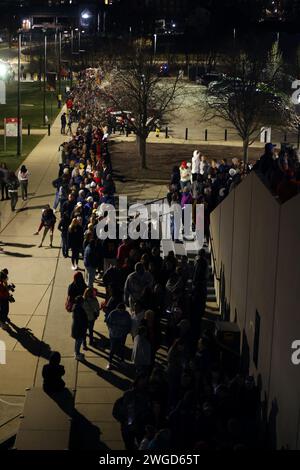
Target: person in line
[23, 176]
[63, 227]
[141, 352]
[79, 327]
[75, 241]
[3, 181]
[119, 326]
[13, 187]
[52, 374]
[92, 309]
[48, 222]
[63, 121]
[91, 262]
[75, 289]
[4, 301]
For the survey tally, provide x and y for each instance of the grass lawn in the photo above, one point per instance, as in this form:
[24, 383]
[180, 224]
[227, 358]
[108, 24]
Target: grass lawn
[162, 157]
[10, 157]
[31, 104]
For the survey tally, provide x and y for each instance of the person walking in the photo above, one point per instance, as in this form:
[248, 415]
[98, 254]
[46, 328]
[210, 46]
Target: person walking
[79, 326]
[13, 186]
[63, 121]
[23, 179]
[3, 181]
[48, 223]
[92, 309]
[119, 325]
[75, 241]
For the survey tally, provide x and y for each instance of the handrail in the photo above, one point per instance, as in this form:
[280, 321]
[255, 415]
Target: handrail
[214, 258]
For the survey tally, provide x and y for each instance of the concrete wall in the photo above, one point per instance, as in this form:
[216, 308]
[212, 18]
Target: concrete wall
[285, 377]
[258, 243]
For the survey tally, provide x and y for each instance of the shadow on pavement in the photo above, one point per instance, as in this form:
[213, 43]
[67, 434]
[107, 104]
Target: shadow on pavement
[16, 254]
[30, 342]
[110, 377]
[83, 435]
[19, 245]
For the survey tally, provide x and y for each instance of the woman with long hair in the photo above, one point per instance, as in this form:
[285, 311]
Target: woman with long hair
[75, 241]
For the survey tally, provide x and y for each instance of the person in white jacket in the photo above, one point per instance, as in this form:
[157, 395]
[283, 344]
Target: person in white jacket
[23, 176]
[195, 165]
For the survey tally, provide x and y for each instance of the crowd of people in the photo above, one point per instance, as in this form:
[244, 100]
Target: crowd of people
[186, 400]
[183, 396]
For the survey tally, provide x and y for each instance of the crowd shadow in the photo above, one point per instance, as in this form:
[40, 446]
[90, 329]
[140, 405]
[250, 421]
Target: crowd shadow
[29, 341]
[16, 254]
[84, 435]
[19, 245]
[109, 376]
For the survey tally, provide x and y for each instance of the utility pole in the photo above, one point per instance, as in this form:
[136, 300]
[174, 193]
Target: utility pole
[59, 64]
[72, 50]
[45, 79]
[19, 137]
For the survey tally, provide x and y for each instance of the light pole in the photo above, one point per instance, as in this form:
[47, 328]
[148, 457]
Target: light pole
[59, 63]
[155, 45]
[19, 136]
[72, 46]
[45, 78]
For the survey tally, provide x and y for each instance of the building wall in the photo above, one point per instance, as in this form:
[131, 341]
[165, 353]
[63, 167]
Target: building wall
[285, 377]
[256, 243]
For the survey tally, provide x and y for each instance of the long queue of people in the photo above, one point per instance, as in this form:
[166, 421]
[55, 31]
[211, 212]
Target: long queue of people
[186, 399]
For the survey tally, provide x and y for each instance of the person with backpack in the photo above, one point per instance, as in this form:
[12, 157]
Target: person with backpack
[13, 186]
[48, 223]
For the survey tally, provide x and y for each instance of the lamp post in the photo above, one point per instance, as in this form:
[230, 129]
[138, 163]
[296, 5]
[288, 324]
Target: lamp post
[155, 45]
[59, 63]
[19, 136]
[72, 47]
[45, 79]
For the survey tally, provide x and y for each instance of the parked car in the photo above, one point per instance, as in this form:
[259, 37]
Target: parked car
[207, 78]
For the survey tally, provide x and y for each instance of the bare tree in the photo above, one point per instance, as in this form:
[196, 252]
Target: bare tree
[248, 100]
[135, 86]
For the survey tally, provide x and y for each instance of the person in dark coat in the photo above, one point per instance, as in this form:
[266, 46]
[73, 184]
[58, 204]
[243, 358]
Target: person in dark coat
[79, 326]
[52, 374]
[76, 288]
[200, 278]
[63, 227]
[75, 241]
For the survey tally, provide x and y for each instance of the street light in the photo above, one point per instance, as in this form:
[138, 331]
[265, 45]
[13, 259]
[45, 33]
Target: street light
[155, 44]
[19, 135]
[45, 78]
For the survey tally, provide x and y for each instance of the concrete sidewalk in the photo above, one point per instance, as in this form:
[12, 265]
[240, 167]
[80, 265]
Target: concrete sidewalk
[40, 322]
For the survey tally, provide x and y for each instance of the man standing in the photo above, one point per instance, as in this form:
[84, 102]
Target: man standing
[91, 262]
[119, 325]
[63, 121]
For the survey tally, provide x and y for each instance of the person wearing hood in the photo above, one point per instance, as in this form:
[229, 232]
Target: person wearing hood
[185, 174]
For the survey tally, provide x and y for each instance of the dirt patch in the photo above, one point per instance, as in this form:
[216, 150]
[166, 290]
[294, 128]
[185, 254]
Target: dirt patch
[162, 157]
